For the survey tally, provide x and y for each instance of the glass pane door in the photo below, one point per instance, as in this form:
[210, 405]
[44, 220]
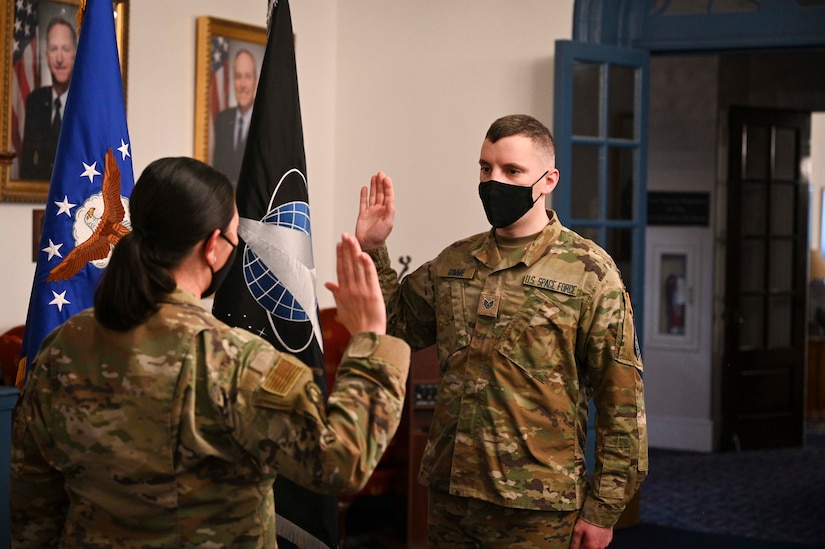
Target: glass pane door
[600, 124]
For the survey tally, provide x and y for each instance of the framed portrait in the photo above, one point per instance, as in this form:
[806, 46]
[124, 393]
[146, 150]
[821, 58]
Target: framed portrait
[38, 46]
[229, 60]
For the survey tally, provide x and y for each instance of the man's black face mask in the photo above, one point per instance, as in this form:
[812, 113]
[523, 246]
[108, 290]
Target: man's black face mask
[504, 203]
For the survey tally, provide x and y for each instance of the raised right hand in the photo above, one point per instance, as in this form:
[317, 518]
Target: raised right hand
[357, 292]
[376, 212]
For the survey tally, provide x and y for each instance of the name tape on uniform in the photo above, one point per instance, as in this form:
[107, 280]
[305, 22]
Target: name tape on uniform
[456, 272]
[550, 284]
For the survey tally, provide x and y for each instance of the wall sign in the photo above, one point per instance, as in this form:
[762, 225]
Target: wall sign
[668, 208]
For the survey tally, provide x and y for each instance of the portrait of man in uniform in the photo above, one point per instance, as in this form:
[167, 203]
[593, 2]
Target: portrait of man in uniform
[44, 60]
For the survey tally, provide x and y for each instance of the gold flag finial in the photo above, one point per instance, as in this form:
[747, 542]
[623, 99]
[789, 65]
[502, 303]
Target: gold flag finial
[81, 9]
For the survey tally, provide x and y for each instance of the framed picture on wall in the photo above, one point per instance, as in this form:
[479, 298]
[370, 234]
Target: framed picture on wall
[229, 59]
[38, 46]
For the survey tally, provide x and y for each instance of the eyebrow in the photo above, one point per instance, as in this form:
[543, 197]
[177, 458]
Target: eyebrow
[510, 165]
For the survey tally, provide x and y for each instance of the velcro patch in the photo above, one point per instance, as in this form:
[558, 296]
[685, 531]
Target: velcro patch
[488, 305]
[281, 378]
[456, 272]
[550, 284]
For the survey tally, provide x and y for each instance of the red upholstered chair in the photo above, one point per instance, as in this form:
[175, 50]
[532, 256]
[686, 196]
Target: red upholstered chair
[11, 344]
[390, 477]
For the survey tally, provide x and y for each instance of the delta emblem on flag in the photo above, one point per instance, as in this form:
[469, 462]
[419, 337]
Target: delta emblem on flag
[87, 209]
[271, 288]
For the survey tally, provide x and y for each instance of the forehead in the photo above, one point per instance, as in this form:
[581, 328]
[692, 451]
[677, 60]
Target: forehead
[60, 32]
[244, 62]
[517, 149]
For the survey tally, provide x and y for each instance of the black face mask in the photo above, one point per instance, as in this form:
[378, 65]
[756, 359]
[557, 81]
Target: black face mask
[504, 203]
[220, 275]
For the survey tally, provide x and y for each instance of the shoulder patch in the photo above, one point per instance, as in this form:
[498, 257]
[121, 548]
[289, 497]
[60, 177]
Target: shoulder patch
[281, 378]
[314, 393]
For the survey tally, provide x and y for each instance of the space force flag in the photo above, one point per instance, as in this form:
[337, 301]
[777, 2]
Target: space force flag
[87, 209]
[271, 288]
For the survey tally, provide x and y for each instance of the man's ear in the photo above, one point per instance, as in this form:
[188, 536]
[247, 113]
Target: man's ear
[550, 181]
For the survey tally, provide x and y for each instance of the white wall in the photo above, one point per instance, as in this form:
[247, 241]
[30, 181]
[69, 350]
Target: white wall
[682, 149]
[407, 87]
[418, 85]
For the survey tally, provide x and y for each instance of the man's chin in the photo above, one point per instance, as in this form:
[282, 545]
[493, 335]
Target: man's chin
[61, 80]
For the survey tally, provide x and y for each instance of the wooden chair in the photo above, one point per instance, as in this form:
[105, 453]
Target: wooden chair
[11, 344]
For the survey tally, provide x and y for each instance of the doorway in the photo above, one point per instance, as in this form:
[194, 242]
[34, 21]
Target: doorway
[691, 398]
[719, 54]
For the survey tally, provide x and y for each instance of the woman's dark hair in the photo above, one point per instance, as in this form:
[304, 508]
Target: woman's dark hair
[176, 203]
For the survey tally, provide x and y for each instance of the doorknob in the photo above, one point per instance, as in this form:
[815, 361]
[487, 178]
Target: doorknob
[737, 318]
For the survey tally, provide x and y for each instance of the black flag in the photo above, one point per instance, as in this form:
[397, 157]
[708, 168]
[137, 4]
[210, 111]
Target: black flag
[271, 288]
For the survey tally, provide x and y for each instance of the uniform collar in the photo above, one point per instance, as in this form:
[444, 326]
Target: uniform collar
[181, 296]
[487, 250]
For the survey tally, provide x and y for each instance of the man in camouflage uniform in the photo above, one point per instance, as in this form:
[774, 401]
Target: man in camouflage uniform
[530, 321]
[171, 434]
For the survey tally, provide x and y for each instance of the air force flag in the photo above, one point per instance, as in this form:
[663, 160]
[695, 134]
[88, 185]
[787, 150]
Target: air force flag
[87, 208]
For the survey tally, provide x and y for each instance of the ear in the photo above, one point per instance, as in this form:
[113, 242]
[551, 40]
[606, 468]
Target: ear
[210, 246]
[550, 181]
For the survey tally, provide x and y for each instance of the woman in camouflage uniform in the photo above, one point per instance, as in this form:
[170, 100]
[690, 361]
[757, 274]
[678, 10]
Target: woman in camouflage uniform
[146, 422]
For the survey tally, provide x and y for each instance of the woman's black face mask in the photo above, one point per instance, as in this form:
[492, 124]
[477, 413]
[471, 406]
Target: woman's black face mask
[220, 275]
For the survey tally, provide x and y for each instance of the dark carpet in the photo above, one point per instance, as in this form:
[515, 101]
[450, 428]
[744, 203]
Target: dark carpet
[771, 499]
[648, 536]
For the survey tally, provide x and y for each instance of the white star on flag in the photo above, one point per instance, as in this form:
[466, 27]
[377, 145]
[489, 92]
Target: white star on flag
[65, 206]
[90, 171]
[59, 300]
[124, 149]
[52, 249]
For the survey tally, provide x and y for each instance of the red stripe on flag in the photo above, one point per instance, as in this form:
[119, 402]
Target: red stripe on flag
[27, 78]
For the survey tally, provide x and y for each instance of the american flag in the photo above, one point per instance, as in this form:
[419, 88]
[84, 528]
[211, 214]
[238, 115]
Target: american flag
[220, 78]
[26, 70]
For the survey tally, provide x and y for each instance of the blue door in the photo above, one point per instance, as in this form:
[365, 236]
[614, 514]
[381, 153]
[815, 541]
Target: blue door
[600, 128]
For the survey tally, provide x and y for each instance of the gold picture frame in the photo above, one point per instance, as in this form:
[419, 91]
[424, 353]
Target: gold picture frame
[219, 42]
[13, 187]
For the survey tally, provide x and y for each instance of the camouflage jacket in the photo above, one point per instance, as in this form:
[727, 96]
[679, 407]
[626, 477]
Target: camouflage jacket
[524, 341]
[171, 434]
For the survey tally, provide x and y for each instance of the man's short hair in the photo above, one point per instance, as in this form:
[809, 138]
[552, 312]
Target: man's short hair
[526, 125]
[58, 20]
[249, 53]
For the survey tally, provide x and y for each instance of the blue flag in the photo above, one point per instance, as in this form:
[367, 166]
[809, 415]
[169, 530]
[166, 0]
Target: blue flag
[87, 209]
[270, 289]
